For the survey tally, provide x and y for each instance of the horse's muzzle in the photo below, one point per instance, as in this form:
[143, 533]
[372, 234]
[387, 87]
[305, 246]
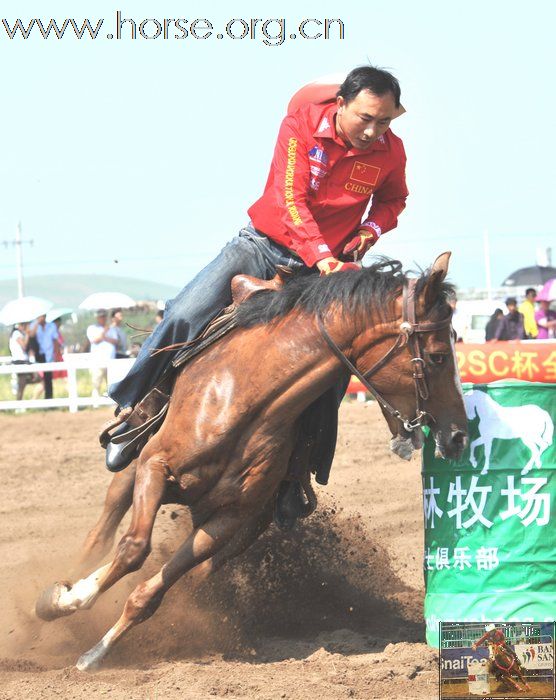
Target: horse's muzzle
[451, 444]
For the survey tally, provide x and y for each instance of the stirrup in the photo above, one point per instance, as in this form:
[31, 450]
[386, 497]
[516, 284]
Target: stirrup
[126, 445]
[121, 417]
[135, 418]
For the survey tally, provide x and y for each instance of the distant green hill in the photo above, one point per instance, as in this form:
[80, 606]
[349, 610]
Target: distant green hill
[70, 290]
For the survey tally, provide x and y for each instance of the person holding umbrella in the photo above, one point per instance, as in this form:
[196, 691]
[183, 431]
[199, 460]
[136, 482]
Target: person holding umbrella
[545, 316]
[527, 309]
[103, 348]
[19, 339]
[47, 338]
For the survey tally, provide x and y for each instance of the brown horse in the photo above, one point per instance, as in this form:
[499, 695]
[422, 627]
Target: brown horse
[234, 416]
[503, 665]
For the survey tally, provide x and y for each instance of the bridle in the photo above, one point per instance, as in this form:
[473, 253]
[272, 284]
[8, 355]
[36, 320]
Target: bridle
[408, 335]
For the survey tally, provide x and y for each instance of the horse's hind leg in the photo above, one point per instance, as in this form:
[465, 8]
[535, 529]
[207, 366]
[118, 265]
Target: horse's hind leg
[206, 550]
[519, 674]
[131, 552]
[100, 539]
[535, 455]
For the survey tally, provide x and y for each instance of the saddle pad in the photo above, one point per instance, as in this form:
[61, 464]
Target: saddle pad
[216, 330]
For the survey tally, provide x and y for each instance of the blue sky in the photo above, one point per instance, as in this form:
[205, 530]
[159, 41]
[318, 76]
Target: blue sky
[149, 152]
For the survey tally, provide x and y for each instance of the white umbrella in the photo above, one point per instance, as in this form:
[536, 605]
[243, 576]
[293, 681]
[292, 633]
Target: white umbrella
[107, 300]
[548, 292]
[58, 312]
[23, 310]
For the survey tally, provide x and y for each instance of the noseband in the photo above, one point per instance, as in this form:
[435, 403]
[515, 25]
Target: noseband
[409, 331]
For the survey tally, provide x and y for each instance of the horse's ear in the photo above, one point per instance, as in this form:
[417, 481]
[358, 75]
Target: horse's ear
[437, 275]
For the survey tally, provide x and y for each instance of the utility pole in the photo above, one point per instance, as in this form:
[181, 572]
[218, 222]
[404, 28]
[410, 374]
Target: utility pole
[18, 243]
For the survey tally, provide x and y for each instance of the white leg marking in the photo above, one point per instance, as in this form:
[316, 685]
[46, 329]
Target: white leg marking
[83, 592]
[90, 659]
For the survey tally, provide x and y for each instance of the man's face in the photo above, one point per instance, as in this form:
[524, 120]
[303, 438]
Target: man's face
[512, 308]
[532, 296]
[363, 120]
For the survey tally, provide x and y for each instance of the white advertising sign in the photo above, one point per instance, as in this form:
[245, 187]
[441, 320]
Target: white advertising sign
[535, 656]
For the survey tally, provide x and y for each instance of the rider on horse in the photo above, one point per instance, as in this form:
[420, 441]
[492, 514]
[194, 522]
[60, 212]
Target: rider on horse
[335, 151]
[503, 661]
[494, 635]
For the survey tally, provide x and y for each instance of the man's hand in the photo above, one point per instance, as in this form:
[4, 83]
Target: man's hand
[330, 265]
[364, 239]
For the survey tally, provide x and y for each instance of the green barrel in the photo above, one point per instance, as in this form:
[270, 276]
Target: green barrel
[490, 540]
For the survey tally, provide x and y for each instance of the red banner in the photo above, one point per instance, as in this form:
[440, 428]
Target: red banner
[489, 362]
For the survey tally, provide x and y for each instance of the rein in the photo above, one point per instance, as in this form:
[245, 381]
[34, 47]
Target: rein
[408, 336]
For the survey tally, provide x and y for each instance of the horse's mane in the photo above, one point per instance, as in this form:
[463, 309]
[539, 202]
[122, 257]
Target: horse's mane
[368, 291]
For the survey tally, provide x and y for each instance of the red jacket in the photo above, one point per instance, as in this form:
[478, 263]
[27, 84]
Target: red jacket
[495, 635]
[318, 190]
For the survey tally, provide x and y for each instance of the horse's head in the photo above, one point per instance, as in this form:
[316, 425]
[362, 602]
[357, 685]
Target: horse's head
[419, 379]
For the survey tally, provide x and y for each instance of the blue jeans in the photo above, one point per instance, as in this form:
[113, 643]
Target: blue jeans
[186, 316]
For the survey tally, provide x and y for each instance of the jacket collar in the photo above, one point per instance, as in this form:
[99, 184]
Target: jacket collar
[326, 129]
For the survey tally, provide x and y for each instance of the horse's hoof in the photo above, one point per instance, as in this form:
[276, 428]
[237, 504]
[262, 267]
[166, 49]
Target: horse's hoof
[90, 660]
[47, 606]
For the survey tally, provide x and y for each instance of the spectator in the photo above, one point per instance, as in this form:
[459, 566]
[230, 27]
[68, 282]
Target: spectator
[59, 356]
[19, 338]
[546, 321]
[117, 332]
[134, 350]
[490, 328]
[47, 339]
[527, 308]
[103, 348]
[510, 326]
[158, 318]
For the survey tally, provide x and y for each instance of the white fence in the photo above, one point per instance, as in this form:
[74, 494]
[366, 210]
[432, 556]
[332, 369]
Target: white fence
[116, 370]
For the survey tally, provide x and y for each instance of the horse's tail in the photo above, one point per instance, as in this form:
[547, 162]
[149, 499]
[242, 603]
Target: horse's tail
[547, 432]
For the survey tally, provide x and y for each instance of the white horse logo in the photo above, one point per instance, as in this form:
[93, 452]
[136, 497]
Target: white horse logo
[531, 424]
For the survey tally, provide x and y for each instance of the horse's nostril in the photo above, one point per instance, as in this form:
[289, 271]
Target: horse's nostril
[459, 437]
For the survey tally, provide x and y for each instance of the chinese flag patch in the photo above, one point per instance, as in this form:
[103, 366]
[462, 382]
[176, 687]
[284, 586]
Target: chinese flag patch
[367, 174]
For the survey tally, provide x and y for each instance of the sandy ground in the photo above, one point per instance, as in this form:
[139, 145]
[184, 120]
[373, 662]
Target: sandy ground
[332, 610]
[539, 690]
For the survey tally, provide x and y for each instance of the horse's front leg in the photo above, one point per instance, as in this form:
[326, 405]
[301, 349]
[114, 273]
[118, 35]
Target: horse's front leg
[100, 539]
[474, 444]
[134, 547]
[198, 555]
[488, 449]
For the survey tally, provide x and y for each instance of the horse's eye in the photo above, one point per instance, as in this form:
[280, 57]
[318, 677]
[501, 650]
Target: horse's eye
[437, 358]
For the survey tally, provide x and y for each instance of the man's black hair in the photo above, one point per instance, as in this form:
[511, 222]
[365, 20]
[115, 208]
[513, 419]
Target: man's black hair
[114, 312]
[375, 80]
[529, 290]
